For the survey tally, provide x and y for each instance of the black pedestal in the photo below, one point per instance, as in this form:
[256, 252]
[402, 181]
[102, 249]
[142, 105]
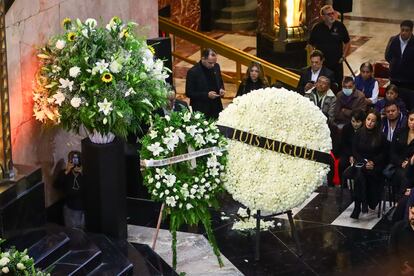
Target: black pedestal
[22, 202]
[104, 170]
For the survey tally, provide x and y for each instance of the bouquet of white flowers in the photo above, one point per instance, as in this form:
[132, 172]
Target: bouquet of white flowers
[103, 78]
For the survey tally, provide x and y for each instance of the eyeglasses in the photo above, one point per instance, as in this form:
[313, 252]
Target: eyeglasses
[330, 13]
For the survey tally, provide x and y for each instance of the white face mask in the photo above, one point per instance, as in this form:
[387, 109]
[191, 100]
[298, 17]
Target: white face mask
[347, 91]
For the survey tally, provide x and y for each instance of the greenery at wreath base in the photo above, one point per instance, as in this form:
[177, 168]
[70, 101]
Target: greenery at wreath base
[187, 188]
[18, 263]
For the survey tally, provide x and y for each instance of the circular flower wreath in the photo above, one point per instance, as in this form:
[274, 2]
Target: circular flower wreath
[266, 180]
[187, 188]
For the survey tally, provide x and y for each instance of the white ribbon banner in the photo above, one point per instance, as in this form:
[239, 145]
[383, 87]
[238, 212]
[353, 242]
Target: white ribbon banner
[180, 158]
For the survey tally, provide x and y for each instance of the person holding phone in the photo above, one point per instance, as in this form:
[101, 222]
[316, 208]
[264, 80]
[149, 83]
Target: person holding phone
[70, 180]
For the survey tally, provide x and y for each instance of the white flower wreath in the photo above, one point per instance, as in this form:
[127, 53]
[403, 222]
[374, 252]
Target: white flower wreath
[266, 180]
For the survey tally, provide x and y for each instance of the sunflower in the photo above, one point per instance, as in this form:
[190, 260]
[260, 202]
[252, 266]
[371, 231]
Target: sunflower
[66, 22]
[151, 49]
[106, 77]
[71, 36]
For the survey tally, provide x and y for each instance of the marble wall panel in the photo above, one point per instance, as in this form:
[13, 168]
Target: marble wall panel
[186, 13]
[263, 16]
[29, 24]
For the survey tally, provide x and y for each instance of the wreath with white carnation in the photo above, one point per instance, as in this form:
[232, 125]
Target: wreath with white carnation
[266, 180]
[190, 186]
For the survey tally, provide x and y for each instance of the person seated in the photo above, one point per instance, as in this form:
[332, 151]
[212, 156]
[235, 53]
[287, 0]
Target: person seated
[347, 100]
[347, 136]
[393, 121]
[402, 148]
[311, 74]
[401, 245]
[366, 83]
[253, 80]
[407, 195]
[368, 151]
[70, 180]
[173, 104]
[391, 94]
[323, 97]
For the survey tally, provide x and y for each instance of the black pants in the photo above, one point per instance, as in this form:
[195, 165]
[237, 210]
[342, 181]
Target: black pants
[368, 188]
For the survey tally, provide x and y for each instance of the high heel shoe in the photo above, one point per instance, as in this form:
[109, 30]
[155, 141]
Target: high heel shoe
[356, 212]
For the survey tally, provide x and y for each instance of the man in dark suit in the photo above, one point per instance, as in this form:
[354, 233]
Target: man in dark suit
[204, 85]
[400, 54]
[311, 74]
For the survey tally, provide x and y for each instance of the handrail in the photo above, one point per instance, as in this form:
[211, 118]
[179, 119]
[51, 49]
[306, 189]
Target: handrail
[275, 72]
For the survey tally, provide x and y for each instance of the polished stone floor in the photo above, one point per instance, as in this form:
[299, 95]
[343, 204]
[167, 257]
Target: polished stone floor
[351, 248]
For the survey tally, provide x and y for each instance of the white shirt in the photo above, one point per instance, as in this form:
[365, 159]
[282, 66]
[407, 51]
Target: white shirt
[315, 75]
[375, 92]
[403, 44]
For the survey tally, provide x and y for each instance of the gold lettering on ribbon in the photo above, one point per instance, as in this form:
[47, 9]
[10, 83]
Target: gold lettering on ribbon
[287, 151]
[269, 146]
[257, 141]
[295, 154]
[234, 135]
[241, 137]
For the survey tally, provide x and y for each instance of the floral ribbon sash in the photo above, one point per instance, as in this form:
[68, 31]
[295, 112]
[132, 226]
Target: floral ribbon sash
[273, 145]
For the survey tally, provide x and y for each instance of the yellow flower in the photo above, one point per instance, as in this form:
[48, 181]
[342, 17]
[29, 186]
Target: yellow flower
[106, 77]
[71, 36]
[151, 49]
[66, 22]
[116, 19]
[124, 33]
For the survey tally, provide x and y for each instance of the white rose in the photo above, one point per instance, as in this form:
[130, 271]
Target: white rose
[74, 71]
[20, 266]
[5, 270]
[115, 67]
[60, 44]
[4, 261]
[75, 102]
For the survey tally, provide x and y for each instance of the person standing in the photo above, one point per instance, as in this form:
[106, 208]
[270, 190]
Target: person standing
[331, 37]
[400, 55]
[204, 85]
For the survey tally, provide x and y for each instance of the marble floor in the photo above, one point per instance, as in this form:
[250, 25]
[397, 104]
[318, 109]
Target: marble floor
[332, 242]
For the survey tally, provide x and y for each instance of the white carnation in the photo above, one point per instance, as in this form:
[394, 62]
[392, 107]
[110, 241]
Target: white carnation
[75, 102]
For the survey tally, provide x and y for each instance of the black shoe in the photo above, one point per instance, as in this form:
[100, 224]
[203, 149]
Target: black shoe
[356, 212]
[364, 208]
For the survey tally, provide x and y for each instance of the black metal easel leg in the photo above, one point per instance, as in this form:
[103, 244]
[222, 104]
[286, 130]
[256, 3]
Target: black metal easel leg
[257, 249]
[294, 233]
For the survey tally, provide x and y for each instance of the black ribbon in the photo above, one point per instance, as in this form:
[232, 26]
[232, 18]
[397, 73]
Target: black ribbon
[273, 145]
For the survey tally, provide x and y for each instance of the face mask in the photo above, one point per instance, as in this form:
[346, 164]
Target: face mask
[347, 91]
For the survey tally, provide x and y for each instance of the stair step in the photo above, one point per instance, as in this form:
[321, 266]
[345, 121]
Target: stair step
[114, 262]
[154, 261]
[247, 11]
[235, 3]
[79, 262]
[235, 24]
[49, 249]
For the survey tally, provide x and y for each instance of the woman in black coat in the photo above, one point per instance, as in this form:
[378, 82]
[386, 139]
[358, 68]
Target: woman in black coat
[253, 80]
[402, 149]
[369, 151]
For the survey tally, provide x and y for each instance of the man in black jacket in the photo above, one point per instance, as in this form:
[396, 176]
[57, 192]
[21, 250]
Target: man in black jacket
[204, 85]
[311, 74]
[400, 54]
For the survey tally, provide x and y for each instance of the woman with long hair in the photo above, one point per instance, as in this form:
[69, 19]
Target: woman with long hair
[253, 80]
[369, 151]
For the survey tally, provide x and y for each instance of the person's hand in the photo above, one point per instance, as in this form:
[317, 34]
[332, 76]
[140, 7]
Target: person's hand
[69, 167]
[404, 164]
[77, 169]
[369, 165]
[351, 160]
[407, 192]
[212, 95]
[222, 92]
[309, 85]
[407, 269]
[412, 160]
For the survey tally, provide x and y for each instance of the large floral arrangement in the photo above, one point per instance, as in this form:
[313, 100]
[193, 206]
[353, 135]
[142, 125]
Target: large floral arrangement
[266, 180]
[18, 263]
[103, 78]
[188, 188]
